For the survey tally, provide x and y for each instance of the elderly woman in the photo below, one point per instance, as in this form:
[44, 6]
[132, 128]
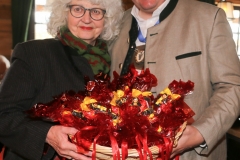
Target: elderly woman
[41, 69]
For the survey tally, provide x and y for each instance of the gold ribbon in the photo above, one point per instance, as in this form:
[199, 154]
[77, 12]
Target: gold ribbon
[169, 93]
[117, 96]
[136, 93]
[66, 113]
[86, 101]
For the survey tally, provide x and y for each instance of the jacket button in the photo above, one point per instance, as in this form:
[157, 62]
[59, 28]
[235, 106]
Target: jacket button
[120, 66]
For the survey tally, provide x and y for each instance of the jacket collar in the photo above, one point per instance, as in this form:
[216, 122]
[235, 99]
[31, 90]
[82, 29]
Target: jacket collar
[163, 15]
[133, 33]
[168, 9]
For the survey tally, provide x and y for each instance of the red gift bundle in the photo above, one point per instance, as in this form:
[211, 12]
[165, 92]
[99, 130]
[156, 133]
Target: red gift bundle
[121, 119]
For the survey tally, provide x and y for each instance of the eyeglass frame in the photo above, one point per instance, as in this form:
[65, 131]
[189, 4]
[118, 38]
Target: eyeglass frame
[85, 9]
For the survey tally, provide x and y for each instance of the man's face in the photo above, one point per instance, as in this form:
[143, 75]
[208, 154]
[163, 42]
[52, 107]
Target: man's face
[147, 6]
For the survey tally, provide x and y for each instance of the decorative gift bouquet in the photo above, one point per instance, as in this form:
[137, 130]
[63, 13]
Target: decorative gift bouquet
[122, 119]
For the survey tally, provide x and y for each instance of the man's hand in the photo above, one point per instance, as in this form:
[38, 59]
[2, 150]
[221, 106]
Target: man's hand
[57, 137]
[190, 138]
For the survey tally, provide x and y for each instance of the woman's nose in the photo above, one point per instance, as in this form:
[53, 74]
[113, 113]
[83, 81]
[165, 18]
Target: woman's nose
[86, 18]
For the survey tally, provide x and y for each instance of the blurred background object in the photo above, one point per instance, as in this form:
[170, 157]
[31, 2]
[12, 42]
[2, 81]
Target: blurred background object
[227, 6]
[4, 65]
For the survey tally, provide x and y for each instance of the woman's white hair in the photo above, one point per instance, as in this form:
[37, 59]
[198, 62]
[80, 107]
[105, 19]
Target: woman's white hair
[112, 18]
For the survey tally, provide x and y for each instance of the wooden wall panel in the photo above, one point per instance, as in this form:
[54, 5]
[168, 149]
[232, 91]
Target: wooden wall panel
[6, 44]
[5, 2]
[5, 28]
[5, 11]
[6, 25]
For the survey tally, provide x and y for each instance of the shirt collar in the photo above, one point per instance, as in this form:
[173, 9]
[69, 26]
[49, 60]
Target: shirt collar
[155, 14]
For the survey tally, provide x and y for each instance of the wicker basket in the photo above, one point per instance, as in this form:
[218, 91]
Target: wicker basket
[105, 153]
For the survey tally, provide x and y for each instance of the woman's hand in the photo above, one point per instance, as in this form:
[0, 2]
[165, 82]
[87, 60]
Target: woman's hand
[57, 137]
[190, 138]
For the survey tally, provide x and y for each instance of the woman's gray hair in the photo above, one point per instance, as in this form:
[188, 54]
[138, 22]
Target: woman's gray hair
[112, 18]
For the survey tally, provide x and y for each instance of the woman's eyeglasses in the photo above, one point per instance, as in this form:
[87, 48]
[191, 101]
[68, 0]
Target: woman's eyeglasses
[78, 11]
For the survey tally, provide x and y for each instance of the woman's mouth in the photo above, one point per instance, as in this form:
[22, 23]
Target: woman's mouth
[86, 28]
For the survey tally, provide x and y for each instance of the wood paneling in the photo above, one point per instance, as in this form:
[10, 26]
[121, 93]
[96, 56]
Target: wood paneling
[5, 2]
[5, 25]
[5, 28]
[5, 11]
[6, 43]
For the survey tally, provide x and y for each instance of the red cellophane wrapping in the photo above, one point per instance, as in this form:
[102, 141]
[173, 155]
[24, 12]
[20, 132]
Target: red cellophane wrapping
[121, 119]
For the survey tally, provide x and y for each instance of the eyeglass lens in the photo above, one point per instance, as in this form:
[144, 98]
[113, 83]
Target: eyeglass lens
[79, 11]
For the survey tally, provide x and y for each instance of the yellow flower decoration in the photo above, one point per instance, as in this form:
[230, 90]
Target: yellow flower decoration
[86, 101]
[168, 92]
[117, 96]
[136, 93]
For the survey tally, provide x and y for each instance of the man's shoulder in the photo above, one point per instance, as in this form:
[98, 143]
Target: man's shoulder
[197, 5]
[196, 9]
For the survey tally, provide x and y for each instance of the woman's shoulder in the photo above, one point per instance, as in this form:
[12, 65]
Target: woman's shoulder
[37, 46]
[39, 43]
[38, 50]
